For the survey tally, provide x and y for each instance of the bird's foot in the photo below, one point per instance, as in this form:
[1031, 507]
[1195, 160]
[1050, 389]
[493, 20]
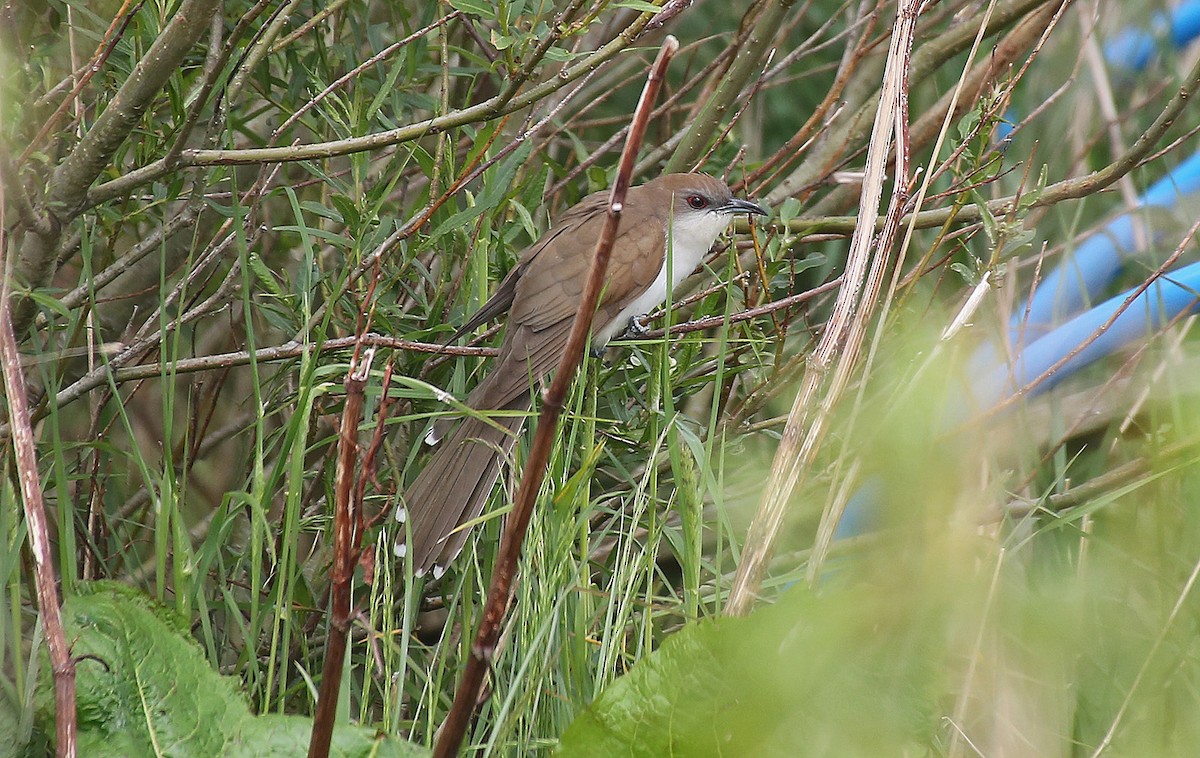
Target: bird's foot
[636, 328]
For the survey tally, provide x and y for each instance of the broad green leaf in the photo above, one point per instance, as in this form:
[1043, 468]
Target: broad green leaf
[145, 688]
[752, 686]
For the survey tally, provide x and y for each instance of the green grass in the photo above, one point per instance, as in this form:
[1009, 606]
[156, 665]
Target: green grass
[1028, 622]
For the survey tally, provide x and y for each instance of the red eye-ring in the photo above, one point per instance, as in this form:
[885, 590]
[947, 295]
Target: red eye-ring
[699, 202]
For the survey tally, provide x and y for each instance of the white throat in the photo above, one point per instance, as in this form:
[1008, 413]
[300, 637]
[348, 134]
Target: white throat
[692, 236]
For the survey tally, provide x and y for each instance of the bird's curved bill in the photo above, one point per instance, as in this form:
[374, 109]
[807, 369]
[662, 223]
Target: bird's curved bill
[737, 205]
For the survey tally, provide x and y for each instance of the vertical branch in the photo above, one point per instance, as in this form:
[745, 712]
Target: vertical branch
[345, 554]
[35, 515]
[843, 337]
[500, 591]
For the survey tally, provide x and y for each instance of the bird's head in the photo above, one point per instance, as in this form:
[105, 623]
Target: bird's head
[700, 206]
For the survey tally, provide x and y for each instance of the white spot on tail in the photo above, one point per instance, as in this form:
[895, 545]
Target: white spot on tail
[419, 573]
[400, 549]
[432, 437]
[438, 572]
[401, 515]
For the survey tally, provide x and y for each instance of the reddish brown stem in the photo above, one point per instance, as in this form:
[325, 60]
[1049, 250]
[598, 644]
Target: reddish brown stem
[500, 591]
[345, 556]
[35, 520]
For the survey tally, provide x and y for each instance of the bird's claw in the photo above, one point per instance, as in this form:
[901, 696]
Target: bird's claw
[636, 328]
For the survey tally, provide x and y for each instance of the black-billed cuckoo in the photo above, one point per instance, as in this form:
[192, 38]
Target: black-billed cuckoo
[685, 211]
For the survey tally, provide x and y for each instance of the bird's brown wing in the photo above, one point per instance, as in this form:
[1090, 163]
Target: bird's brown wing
[502, 299]
[548, 292]
[549, 289]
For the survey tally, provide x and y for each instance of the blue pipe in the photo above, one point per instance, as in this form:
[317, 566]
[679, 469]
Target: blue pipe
[1084, 274]
[1171, 295]
[1133, 48]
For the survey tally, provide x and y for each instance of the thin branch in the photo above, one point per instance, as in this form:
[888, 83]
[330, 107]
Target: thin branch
[84, 73]
[100, 375]
[68, 187]
[845, 331]
[666, 107]
[35, 517]
[711, 322]
[1160, 272]
[744, 68]
[500, 590]
[345, 554]
[852, 129]
[289, 350]
[1140, 152]
[352, 73]
[418, 220]
[151, 243]
[491, 108]
[214, 65]
[307, 26]
[10, 179]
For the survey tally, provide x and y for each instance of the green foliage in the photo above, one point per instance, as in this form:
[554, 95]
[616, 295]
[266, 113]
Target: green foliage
[1053, 632]
[144, 687]
[753, 686]
[176, 341]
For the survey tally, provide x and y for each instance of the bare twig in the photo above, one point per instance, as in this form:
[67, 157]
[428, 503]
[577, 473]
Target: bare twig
[829, 107]
[418, 220]
[1142, 151]
[10, 178]
[99, 375]
[84, 74]
[500, 589]
[744, 67]
[1103, 328]
[349, 488]
[843, 336]
[852, 129]
[295, 349]
[35, 516]
[369, 62]
[345, 554]
[494, 107]
[307, 26]
[710, 322]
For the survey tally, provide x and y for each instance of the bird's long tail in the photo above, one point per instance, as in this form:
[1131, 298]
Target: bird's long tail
[453, 488]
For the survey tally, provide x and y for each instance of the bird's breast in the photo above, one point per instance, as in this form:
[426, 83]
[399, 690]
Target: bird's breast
[685, 255]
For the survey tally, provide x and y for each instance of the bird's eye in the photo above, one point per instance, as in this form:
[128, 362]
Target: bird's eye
[699, 202]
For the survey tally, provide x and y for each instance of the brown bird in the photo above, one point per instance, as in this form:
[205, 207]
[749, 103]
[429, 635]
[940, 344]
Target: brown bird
[685, 211]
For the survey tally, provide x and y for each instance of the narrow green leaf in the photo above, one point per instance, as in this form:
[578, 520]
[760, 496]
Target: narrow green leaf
[638, 5]
[479, 8]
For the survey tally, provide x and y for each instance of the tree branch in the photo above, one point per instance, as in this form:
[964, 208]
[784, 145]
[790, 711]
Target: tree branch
[68, 187]
[500, 591]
